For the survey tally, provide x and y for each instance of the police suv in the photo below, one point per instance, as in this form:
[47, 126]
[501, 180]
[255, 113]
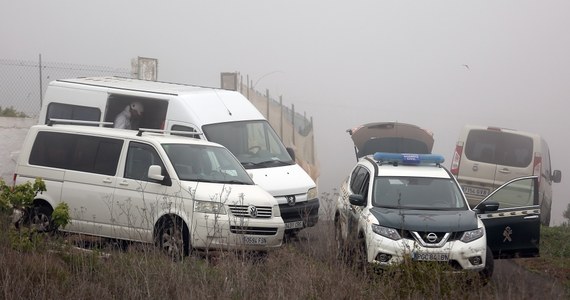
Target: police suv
[397, 206]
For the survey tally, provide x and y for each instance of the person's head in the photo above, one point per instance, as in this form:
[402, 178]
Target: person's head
[137, 109]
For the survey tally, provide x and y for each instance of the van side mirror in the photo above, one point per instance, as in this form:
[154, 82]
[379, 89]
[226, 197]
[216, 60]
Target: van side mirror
[291, 152]
[155, 173]
[556, 176]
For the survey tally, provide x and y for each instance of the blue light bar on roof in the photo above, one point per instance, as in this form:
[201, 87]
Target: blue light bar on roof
[408, 158]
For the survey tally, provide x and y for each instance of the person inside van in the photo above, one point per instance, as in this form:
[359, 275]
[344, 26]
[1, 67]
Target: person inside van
[127, 119]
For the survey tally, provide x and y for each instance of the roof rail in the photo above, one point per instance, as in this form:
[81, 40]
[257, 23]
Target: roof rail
[52, 122]
[177, 132]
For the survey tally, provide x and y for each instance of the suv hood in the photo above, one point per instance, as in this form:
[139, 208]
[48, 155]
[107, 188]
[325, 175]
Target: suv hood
[426, 220]
[390, 137]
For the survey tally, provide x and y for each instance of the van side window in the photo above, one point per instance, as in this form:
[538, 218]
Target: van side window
[139, 158]
[72, 112]
[76, 152]
[185, 128]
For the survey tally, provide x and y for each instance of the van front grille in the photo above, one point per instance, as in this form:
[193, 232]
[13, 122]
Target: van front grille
[253, 230]
[250, 211]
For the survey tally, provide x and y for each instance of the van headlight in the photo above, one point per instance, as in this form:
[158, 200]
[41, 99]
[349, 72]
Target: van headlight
[390, 233]
[469, 236]
[209, 207]
[312, 193]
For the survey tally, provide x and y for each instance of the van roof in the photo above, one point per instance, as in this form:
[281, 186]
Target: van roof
[123, 83]
[123, 133]
[468, 127]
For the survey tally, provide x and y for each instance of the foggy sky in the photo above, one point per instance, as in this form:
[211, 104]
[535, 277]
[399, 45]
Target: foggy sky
[344, 63]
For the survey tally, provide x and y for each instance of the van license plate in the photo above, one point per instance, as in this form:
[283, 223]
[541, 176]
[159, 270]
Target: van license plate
[293, 225]
[254, 240]
[430, 256]
[471, 190]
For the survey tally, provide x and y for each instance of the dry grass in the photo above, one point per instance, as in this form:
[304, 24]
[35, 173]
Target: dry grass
[306, 268]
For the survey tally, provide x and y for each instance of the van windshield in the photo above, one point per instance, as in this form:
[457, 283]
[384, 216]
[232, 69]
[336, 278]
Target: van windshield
[254, 143]
[206, 164]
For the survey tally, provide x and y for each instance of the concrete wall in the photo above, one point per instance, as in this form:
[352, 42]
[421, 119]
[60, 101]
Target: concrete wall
[12, 134]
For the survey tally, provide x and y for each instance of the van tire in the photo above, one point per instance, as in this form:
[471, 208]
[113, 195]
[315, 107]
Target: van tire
[40, 218]
[174, 238]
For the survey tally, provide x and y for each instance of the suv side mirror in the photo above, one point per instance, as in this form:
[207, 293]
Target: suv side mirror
[556, 176]
[357, 199]
[291, 152]
[487, 206]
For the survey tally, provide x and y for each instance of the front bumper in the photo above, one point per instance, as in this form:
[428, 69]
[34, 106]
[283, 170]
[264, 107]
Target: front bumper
[300, 215]
[226, 232]
[459, 255]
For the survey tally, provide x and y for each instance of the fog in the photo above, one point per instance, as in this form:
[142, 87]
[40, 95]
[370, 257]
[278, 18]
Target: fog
[437, 64]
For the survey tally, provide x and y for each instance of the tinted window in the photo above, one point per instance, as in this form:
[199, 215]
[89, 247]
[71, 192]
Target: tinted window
[185, 128]
[499, 148]
[139, 158]
[72, 112]
[359, 181]
[76, 152]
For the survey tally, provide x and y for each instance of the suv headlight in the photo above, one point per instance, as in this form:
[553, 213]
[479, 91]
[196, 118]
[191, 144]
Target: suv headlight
[312, 193]
[390, 233]
[469, 236]
[209, 207]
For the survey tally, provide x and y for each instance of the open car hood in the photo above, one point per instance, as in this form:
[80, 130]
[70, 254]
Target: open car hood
[392, 137]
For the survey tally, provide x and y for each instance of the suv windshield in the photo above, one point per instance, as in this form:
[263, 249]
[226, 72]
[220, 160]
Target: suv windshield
[417, 193]
[206, 163]
[254, 143]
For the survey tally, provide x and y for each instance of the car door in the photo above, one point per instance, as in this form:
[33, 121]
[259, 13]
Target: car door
[359, 183]
[137, 198]
[513, 230]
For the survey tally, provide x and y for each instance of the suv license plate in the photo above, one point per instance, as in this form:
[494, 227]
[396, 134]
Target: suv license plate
[292, 225]
[430, 256]
[254, 240]
[471, 190]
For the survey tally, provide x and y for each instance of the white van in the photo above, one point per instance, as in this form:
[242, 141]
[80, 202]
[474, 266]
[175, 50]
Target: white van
[487, 157]
[178, 192]
[225, 117]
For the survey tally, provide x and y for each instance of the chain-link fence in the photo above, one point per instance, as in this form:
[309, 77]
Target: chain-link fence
[23, 82]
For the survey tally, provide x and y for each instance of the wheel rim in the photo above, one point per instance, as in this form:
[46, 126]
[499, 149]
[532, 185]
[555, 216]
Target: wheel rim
[173, 242]
[40, 222]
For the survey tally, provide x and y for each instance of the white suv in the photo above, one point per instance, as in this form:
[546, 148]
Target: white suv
[178, 192]
[408, 205]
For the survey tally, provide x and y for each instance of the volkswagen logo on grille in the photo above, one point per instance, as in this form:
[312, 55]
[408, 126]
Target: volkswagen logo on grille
[431, 237]
[252, 210]
[291, 200]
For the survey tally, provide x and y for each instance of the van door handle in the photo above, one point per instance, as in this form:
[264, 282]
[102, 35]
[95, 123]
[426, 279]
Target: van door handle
[124, 183]
[107, 180]
[505, 171]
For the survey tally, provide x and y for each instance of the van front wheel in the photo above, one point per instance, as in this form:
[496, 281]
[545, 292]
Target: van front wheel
[174, 238]
[40, 218]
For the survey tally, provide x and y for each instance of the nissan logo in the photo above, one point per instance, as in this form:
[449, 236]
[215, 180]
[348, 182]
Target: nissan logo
[291, 200]
[252, 210]
[431, 237]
